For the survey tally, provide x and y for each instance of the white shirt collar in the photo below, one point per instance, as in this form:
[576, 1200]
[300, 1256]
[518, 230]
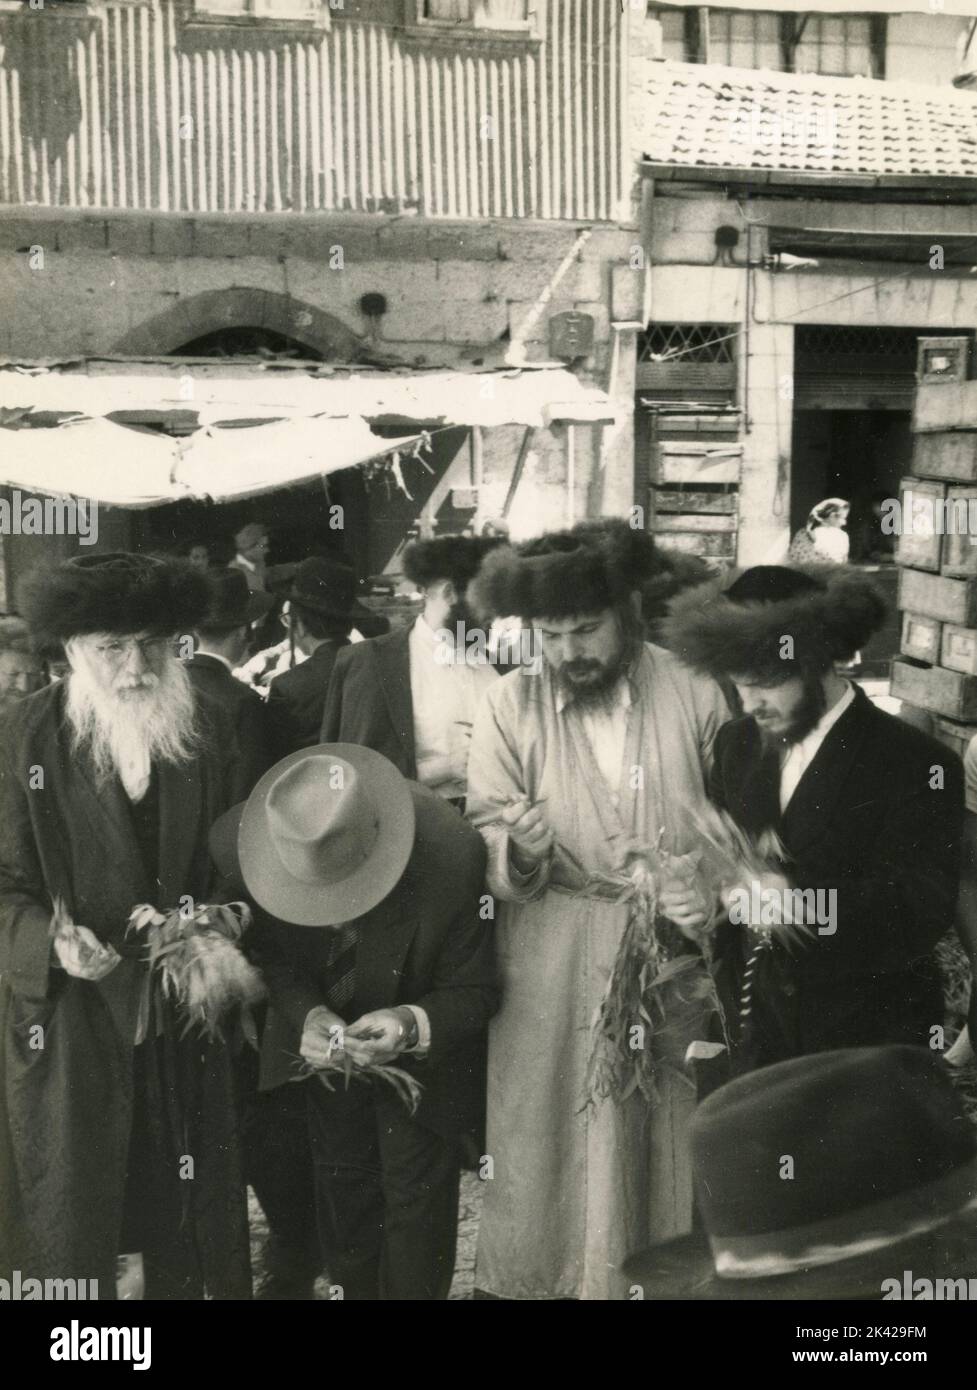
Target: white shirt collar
[243, 560]
[423, 631]
[799, 755]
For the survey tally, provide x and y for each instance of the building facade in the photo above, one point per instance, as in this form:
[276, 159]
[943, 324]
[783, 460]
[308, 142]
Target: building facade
[407, 184]
[812, 214]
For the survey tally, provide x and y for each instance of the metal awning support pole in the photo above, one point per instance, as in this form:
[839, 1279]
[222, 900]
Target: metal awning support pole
[571, 471]
[527, 439]
[478, 460]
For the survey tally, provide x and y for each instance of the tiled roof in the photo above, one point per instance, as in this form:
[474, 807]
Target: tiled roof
[704, 116]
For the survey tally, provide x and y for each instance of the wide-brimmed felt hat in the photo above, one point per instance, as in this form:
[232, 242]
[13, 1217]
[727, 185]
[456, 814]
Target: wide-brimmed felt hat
[232, 603]
[326, 835]
[823, 1176]
[324, 585]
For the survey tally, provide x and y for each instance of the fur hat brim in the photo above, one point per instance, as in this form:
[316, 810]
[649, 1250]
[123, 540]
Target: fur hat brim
[457, 558]
[594, 566]
[117, 593]
[809, 631]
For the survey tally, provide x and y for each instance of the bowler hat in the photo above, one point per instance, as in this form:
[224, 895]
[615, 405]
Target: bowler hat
[232, 603]
[325, 586]
[326, 834]
[823, 1176]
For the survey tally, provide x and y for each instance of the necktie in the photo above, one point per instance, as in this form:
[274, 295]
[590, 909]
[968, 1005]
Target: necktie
[341, 969]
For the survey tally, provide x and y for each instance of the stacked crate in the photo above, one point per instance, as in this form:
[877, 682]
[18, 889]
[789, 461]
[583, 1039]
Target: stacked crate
[696, 456]
[936, 671]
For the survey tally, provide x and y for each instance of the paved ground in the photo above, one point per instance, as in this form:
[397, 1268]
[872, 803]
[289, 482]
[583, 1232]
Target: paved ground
[468, 1213]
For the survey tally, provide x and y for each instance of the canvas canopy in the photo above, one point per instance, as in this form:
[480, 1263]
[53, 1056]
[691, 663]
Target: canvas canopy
[141, 434]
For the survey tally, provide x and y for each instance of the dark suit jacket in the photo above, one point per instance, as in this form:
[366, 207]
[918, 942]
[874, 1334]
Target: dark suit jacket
[369, 701]
[425, 944]
[246, 717]
[866, 821]
[296, 699]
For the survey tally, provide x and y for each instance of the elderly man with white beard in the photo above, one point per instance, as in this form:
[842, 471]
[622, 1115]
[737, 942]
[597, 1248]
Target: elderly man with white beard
[109, 781]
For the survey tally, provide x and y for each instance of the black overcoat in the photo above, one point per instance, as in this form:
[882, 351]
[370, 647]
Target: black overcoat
[66, 1105]
[877, 818]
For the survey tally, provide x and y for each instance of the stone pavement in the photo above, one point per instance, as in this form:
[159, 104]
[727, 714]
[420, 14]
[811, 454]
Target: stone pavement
[469, 1209]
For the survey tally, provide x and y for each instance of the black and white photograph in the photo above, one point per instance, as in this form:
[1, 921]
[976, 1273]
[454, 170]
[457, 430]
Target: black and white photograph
[488, 666]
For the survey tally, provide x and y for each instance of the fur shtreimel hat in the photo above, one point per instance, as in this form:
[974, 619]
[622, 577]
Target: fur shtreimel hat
[593, 566]
[738, 629]
[119, 593]
[447, 557]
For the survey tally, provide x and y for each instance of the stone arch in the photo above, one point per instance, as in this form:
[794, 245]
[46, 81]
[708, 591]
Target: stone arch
[240, 306]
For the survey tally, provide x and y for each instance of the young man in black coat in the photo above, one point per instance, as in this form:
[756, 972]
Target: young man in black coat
[869, 811]
[412, 695]
[321, 601]
[221, 644]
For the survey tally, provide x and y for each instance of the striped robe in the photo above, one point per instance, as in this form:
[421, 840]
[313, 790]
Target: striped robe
[574, 1190]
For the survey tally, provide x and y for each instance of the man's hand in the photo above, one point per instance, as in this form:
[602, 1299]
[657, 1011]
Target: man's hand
[682, 903]
[379, 1036]
[530, 837]
[322, 1037]
[771, 890]
[81, 954]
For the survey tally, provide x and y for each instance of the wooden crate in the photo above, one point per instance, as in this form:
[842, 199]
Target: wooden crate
[938, 596]
[920, 544]
[958, 649]
[945, 405]
[931, 687]
[958, 737]
[687, 500]
[688, 461]
[951, 455]
[959, 555]
[921, 637]
[721, 545]
[667, 522]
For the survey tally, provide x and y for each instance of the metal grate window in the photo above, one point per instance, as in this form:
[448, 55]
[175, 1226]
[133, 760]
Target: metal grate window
[825, 343]
[691, 343]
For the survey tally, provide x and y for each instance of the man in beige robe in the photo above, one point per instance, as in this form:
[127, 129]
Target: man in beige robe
[597, 750]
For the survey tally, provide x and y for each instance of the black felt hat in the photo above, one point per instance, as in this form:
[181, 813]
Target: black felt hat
[324, 585]
[232, 603]
[822, 1177]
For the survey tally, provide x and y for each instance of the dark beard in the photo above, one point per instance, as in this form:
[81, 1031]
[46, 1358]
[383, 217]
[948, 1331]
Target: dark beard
[599, 693]
[808, 712]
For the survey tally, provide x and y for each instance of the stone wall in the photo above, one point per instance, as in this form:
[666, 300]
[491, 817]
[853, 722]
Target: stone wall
[459, 295]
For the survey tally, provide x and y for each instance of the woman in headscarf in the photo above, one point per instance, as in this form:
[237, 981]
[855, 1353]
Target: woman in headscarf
[822, 540]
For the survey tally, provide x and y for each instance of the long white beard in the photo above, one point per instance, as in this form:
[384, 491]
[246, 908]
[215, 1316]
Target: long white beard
[125, 730]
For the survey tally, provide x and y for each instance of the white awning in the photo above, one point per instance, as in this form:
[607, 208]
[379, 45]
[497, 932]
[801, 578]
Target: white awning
[241, 429]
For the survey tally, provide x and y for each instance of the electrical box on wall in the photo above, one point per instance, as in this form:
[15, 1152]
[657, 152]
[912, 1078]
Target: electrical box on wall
[943, 359]
[571, 335]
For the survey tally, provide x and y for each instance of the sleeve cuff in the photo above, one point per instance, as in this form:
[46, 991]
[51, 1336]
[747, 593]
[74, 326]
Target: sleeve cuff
[423, 1045]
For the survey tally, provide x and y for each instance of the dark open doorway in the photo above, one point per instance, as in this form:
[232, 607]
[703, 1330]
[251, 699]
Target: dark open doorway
[847, 453]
